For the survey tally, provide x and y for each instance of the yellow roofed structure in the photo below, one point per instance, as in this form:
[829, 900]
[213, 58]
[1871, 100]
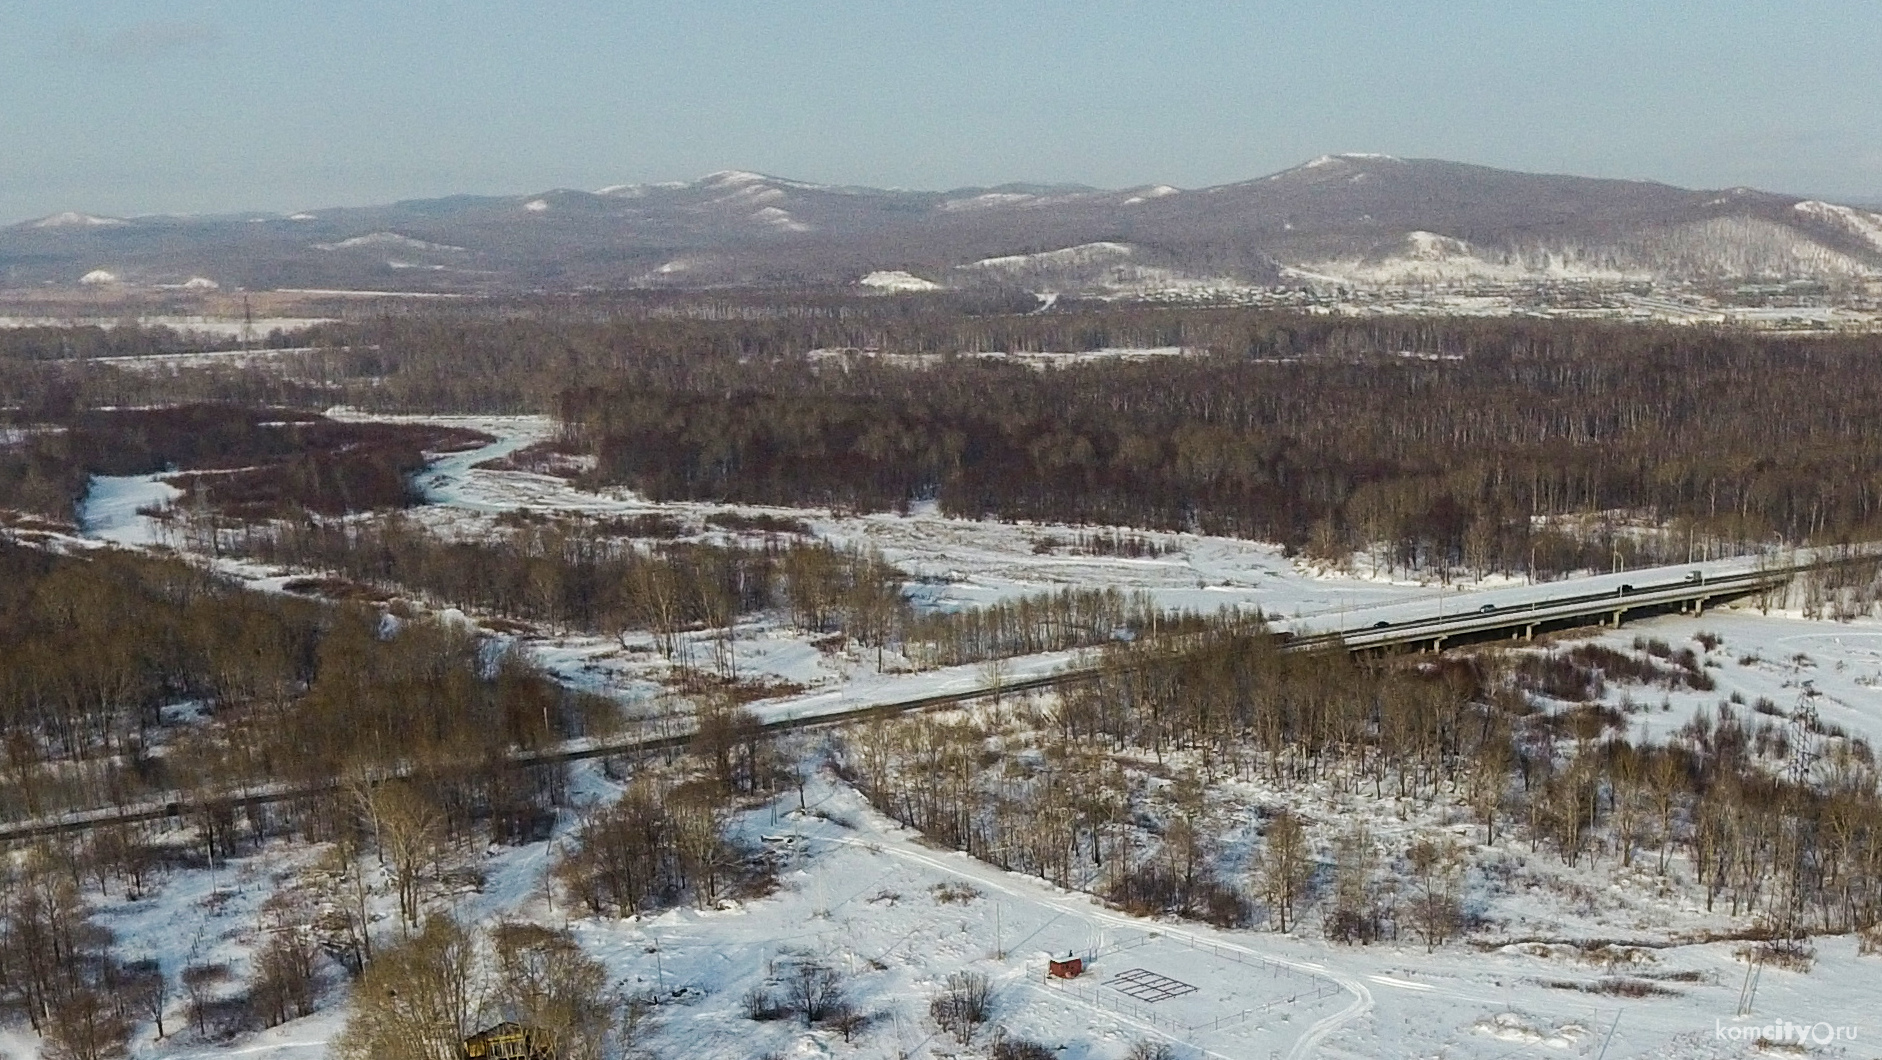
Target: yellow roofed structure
[509, 1041]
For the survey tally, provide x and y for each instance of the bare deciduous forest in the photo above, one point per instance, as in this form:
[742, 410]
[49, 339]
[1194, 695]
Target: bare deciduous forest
[128, 675]
[604, 577]
[1446, 443]
[1050, 792]
[1442, 463]
[244, 462]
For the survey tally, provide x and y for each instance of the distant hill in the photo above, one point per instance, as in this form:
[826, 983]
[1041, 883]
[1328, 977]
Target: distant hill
[1348, 220]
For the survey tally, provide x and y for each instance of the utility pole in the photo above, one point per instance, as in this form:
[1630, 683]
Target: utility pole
[1748, 993]
[1609, 1040]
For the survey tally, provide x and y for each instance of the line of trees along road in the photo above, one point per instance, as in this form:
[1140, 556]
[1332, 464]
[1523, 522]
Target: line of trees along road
[127, 675]
[588, 575]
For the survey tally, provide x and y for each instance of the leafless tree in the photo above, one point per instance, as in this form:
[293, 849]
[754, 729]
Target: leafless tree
[814, 989]
[963, 1005]
[1285, 867]
[419, 998]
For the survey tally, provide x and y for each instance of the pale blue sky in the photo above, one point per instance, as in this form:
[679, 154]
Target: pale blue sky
[136, 106]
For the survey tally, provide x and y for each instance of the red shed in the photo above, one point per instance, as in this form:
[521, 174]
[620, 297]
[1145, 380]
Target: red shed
[1068, 968]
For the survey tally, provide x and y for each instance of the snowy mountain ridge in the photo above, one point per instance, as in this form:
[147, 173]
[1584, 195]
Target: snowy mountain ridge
[1355, 219]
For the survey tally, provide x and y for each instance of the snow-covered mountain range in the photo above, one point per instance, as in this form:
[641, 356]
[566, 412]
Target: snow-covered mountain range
[1346, 220]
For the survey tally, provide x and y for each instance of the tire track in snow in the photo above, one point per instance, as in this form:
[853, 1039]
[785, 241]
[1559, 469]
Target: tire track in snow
[960, 864]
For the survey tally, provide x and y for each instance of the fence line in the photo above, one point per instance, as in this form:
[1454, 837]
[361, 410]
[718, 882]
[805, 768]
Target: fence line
[1096, 997]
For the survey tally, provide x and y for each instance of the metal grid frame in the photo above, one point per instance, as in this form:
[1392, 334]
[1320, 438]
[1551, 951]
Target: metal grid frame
[1148, 986]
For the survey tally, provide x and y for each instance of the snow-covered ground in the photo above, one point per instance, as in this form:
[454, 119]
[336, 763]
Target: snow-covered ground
[219, 327]
[111, 510]
[961, 562]
[1033, 358]
[896, 917]
[1831, 668]
[167, 362]
[861, 894]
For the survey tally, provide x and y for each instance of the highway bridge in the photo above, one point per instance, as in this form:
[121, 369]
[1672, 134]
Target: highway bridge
[1518, 613]
[1571, 604]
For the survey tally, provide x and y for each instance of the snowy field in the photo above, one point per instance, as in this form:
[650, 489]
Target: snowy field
[216, 327]
[959, 562]
[1031, 358]
[899, 917]
[1793, 664]
[113, 508]
[169, 362]
[895, 917]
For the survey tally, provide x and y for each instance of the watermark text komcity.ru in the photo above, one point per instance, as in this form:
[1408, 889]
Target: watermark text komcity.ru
[1819, 1033]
